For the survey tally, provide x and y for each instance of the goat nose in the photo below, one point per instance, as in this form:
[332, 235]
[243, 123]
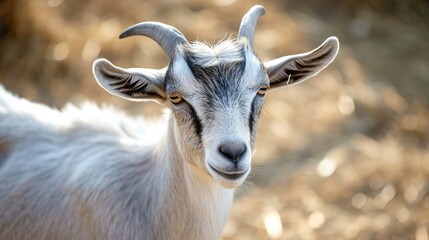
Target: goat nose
[232, 151]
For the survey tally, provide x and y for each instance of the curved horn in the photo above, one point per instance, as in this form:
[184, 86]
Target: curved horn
[249, 21]
[165, 35]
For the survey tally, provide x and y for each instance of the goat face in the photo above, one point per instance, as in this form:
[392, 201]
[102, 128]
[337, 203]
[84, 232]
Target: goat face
[214, 92]
[215, 95]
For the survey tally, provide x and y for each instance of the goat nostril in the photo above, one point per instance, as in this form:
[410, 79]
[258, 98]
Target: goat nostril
[232, 151]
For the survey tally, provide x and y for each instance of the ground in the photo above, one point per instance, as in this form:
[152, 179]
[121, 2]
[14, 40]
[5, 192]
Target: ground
[342, 156]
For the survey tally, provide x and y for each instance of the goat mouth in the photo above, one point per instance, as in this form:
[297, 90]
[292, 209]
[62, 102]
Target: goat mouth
[226, 175]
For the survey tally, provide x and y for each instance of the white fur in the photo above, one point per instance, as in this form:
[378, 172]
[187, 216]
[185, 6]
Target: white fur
[97, 174]
[222, 52]
[181, 71]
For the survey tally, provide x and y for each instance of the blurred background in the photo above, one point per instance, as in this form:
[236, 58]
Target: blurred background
[342, 156]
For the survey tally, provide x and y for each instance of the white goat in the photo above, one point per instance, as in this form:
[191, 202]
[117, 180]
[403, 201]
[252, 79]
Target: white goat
[85, 173]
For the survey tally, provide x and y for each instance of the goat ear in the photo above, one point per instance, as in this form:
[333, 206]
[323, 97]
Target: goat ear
[294, 69]
[135, 84]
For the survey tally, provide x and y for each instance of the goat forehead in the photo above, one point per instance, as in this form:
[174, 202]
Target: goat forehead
[223, 69]
[221, 80]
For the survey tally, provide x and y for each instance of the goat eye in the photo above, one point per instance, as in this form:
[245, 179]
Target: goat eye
[262, 90]
[175, 98]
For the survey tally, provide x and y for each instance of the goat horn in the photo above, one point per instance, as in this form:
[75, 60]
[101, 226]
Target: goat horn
[249, 21]
[165, 35]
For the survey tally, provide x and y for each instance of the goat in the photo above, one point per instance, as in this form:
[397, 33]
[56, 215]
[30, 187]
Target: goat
[90, 173]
